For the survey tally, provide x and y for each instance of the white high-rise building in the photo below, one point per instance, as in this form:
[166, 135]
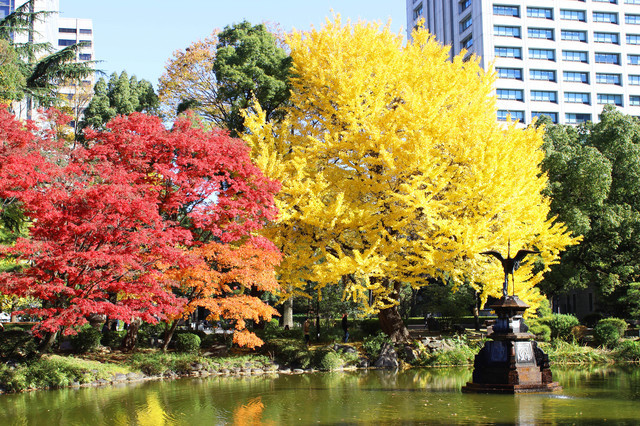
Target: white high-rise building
[562, 58]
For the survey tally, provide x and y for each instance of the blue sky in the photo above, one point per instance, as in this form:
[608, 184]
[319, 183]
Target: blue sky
[139, 36]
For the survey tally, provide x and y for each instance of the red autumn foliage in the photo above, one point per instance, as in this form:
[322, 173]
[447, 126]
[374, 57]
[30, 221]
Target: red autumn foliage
[107, 219]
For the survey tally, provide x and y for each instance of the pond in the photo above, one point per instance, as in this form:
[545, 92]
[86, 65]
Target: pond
[590, 396]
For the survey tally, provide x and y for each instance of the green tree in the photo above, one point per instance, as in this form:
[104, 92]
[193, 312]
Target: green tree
[594, 184]
[120, 96]
[12, 80]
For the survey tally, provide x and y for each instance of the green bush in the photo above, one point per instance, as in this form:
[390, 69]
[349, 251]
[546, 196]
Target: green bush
[372, 345]
[609, 331]
[591, 320]
[187, 342]
[370, 327]
[292, 352]
[541, 331]
[87, 339]
[12, 380]
[17, 345]
[148, 332]
[331, 361]
[628, 350]
[561, 325]
[113, 339]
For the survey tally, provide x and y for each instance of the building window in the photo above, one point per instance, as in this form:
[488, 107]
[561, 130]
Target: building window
[609, 17]
[603, 78]
[86, 31]
[575, 77]
[464, 5]
[465, 23]
[612, 38]
[417, 12]
[552, 115]
[633, 38]
[545, 75]
[506, 31]
[634, 80]
[545, 54]
[515, 115]
[607, 58]
[67, 30]
[632, 19]
[604, 99]
[509, 94]
[540, 12]
[633, 59]
[577, 98]
[87, 43]
[467, 42]
[510, 73]
[575, 56]
[85, 56]
[634, 100]
[606, 1]
[631, 1]
[504, 10]
[545, 33]
[571, 35]
[544, 96]
[573, 15]
[573, 118]
[65, 42]
[508, 52]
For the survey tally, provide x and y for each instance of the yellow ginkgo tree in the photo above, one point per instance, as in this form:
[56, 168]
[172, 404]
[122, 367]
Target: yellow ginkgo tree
[394, 170]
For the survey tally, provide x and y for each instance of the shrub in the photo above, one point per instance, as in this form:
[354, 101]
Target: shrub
[87, 339]
[17, 345]
[628, 350]
[541, 331]
[370, 327]
[579, 332]
[187, 342]
[591, 320]
[148, 332]
[561, 325]
[372, 345]
[291, 352]
[113, 339]
[609, 331]
[331, 361]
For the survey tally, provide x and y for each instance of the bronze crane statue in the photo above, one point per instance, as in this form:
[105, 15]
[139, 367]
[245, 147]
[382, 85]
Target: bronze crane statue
[510, 265]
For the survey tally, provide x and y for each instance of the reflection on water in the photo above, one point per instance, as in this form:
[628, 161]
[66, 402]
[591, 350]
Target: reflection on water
[590, 395]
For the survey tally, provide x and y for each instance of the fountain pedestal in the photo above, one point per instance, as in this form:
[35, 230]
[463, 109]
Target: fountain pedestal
[511, 362]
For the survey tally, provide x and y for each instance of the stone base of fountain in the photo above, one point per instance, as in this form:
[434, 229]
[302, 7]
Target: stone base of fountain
[512, 361]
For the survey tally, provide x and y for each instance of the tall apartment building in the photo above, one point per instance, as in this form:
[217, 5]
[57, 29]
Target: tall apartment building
[562, 58]
[59, 32]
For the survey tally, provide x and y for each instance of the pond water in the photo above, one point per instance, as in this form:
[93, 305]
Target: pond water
[590, 396]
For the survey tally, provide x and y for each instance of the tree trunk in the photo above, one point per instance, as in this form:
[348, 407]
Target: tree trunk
[169, 335]
[476, 311]
[129, 341]
[48, 340]
[392, 324]
[287, 315]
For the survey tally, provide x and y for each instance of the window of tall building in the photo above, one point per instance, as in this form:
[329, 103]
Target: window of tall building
[417, 12]
[634, 100]
[633, 38]
[465, 23]
[575, 77]
[609, 17]
[573, 35]
[506, 10]
[467, 42]
[576, 118]
[508, 52]
[606, 1]
[632, 19]
[85, 31]
[577, 98]
[506, 31]
[464, 5]
[515, 115]
[612, 38]
[545, 75]
[540, 12]
[607, 58]
[85, 56]
[634, 79]
[631, 1]
[544, 33]
[65, 42]
[633, 59]
[510, 94]
[544, 96]
[67, 30]
[607, 98]
[6, 7]
[603, 78]
[509, 73]
[575, 56]
[552, 115]
[544, 54]
[87, 43]
[573, 15]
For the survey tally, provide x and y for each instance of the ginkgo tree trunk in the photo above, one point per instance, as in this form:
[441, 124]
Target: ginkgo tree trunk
[394, 170]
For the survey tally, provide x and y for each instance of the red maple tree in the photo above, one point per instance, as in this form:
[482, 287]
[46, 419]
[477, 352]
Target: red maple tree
[109, 217]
